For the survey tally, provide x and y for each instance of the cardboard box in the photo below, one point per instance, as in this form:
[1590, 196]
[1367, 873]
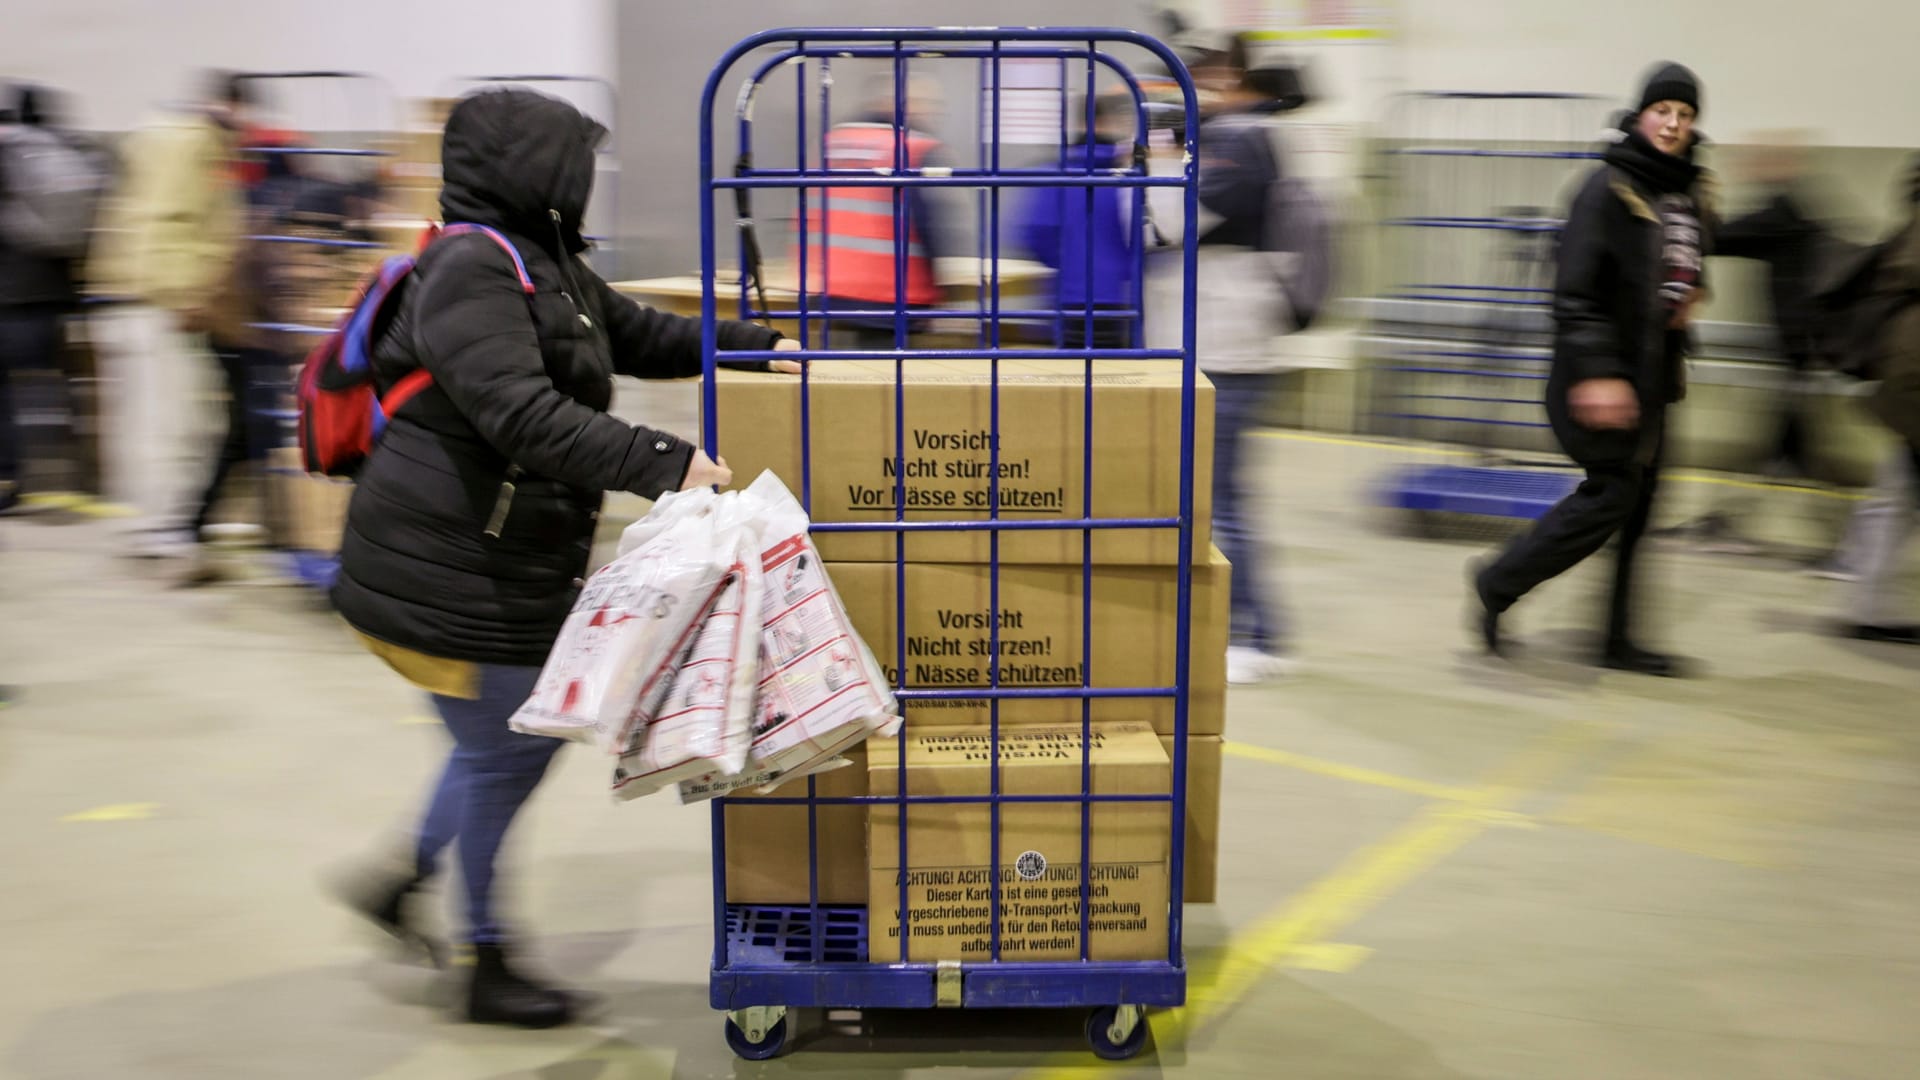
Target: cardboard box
[949, 643]
[949, 863]
[948, 453]
[767, 845]
[306, 512]
[1203, 816]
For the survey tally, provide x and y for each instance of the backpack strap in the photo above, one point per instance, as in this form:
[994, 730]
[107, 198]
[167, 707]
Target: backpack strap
[409, 386]
[499, 238]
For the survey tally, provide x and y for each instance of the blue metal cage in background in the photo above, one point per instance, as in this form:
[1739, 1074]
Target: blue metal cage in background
[768, 960]
[1460, 346]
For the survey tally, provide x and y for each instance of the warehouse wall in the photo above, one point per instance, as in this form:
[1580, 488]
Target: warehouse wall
[660, 95]
[121, 57]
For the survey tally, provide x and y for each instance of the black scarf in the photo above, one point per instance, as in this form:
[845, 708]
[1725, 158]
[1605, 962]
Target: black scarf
[1662, 173]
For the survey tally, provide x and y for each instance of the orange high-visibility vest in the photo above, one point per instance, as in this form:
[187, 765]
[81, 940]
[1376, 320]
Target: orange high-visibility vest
[857, 261]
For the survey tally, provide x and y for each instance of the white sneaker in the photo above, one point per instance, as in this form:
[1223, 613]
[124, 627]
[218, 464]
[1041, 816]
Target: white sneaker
[1246, 666]
[163, 544]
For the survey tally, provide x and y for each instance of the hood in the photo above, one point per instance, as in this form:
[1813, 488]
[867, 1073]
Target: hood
[510, 156]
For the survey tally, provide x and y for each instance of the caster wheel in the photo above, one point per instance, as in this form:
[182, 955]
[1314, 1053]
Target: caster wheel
[772, 1041]
[1117, 1033]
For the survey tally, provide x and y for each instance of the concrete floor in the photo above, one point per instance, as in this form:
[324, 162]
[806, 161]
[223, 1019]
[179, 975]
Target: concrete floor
[1434, 866]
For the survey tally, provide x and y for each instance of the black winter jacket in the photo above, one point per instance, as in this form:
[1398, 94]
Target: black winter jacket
[520, 392]
[1609, 321]
[1791, 243]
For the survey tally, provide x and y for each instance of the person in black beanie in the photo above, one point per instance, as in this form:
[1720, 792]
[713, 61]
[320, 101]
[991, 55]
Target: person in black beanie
[1630, 272]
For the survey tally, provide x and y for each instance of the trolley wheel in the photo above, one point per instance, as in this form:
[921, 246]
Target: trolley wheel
[1117, 1032]
[749, 1039]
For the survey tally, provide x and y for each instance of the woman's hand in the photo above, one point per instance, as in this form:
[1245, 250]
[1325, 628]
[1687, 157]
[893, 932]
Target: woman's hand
[704, 471]
[785, 367]
[1604, 404]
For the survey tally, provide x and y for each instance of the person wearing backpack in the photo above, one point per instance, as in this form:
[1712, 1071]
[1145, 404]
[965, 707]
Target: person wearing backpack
[473, 516]
[1630, 267]
[1243, 306]
[49, 183]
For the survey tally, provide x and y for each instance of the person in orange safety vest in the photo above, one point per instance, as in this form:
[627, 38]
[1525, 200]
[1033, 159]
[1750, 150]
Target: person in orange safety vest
[855, 268]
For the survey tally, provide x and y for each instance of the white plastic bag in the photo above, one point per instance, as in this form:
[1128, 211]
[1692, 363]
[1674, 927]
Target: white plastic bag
[820, 690]
[634, 619]
[699, 720]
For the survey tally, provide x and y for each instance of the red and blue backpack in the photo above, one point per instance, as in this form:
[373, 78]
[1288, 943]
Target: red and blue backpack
[342, 413]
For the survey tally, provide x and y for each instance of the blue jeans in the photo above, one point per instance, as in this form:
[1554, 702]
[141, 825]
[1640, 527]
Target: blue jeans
[1238, 402]
[488, 776]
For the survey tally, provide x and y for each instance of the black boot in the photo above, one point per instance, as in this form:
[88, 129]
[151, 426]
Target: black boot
[1883, 632]
[387, 903]
[1623, 655]
[500, 995]
[1485, 617]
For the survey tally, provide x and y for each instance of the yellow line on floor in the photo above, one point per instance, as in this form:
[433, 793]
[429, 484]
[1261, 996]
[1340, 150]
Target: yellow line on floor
[133, 811]
[1365, 879]
[1355, 773]
[76, 502]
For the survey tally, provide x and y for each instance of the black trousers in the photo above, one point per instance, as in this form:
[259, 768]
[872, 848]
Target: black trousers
[249, 434]
[1615, 498]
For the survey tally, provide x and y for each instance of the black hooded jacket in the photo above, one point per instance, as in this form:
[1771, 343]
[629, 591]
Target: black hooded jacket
[1609, 321]
[521, 387]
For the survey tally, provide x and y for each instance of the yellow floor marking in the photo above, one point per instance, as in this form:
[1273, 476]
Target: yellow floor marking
[76, 502]
[1353, 889]
[1329, 957]
[132, 811]
[1355, 773]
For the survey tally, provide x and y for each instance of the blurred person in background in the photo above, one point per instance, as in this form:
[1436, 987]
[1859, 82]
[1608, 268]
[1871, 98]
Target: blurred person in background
[1785, 235]
[255, 363]
[1090, 251]
[167, 243]
[50, 180]
[472, 523]
[1241, 310]
[1885, 522]
[1630, 268]
[850, 257]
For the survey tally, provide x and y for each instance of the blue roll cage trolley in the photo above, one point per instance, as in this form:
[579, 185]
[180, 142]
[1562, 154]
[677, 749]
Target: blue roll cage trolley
[1466, 346]
[768, 960]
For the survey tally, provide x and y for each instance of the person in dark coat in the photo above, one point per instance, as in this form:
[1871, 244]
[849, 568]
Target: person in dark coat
[1630, 271]
[37, 293]
[472, 522]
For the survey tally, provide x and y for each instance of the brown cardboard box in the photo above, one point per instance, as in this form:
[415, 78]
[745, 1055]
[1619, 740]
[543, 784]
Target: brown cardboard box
[1203, 816]
[947, 456]
[767, 845]
[949, 855]
[308, 513]
[949, 640]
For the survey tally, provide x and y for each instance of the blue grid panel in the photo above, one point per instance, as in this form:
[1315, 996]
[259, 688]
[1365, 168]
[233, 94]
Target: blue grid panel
[784, 935]
[1462, 489]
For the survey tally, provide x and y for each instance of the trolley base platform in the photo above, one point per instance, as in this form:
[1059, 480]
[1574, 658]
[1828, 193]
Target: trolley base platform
[1488, 492]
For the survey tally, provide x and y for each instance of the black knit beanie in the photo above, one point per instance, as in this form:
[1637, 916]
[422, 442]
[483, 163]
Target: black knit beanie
[1670, 82]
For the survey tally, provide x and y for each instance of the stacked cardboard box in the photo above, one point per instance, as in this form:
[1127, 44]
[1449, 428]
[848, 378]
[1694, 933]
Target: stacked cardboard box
[954, 623]
[304, 512]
